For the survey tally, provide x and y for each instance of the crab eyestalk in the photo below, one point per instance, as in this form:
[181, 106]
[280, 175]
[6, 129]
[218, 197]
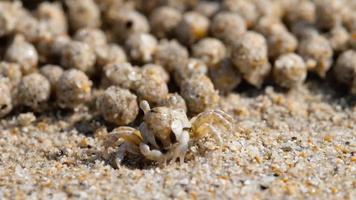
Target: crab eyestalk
[145, 106]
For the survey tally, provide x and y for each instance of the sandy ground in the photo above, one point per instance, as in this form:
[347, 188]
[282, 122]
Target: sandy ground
[286, 145]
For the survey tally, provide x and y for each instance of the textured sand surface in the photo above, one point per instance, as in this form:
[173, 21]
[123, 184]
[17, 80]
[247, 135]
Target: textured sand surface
[294, 145]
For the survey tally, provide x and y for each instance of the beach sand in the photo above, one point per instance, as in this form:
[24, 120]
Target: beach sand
[286, 145]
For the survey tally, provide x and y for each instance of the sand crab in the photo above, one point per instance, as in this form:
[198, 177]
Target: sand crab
[165, 133]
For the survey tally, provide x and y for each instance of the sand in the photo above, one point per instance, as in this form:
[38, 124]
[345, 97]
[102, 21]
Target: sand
[286, 145]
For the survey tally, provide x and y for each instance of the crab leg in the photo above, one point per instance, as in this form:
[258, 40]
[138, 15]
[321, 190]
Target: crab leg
[121, 153]
[208, 128]
[128, 134]
[123, 149]
[211, 117]
[222, 117]
[225, 115]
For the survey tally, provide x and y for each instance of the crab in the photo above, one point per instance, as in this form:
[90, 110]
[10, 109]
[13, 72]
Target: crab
[165, 133]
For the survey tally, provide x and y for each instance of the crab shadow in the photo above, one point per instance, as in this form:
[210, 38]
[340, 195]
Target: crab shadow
[131, 162]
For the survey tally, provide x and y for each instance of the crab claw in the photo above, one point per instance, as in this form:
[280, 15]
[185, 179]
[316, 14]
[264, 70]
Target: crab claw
[181, 147]
[177, 127]
[148, 137]
[154, 155]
